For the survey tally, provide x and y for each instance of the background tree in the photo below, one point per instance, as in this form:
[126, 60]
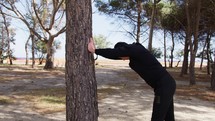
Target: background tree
[152, 21]
[170, 21]
[81, 87]
[130, 12]
[26, 51]
[207, 32]
[193, 17]
[41, 51]
[101, 41]
[213, 75]
[7, 37]
[156, 52]
[49, 15]
[2, 40]
[178, 56]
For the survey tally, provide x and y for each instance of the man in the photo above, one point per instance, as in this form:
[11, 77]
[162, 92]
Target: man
[148, 67]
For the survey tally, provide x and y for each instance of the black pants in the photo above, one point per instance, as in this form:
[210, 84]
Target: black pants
[163, 107]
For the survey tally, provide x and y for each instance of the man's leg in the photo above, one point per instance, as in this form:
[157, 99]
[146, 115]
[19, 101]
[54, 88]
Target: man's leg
[160, 108]
[170, 114]
[163, 101]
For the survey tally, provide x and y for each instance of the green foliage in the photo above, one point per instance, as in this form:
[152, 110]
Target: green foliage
[41, 50]
[6, 100]
[40, 47]
[101, 42]
[125, 10]
[156, 52]
[179, 54]
[172, 18]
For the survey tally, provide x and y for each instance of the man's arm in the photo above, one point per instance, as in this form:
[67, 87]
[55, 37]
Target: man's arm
[108, 53]
[112, 53]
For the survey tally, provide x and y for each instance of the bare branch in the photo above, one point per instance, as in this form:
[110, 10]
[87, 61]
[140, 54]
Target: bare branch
[56, 7]
[60, 32]
[38, 18]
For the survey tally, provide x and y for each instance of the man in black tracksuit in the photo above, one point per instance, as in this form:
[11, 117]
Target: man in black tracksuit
[148, 67]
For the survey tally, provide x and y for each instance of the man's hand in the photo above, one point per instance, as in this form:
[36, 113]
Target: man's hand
[91, 46]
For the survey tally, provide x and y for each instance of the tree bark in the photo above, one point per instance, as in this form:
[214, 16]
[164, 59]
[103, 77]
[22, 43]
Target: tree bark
[81, 86]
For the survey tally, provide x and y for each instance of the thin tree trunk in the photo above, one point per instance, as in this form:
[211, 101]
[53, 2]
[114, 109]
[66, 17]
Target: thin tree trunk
[9, 52]
[202, 55]
[208, 54]
[152, 26]
[165, 48]
[81, 86]
[2, 45]
[26, 50]
[139, 20]
[195, 48]
[184, 69]
[213, 75]
[32, 50]
[172, 50]
[189, 36]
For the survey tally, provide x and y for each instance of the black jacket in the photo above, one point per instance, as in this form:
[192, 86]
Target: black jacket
[141, 61]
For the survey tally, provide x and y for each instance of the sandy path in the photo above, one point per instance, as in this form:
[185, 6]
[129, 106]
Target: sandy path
[127, 101]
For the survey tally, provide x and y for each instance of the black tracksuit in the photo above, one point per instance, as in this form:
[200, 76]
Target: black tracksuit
[148, 67]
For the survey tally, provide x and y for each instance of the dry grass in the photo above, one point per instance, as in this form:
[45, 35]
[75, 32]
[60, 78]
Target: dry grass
[46, 101]
[5, 100]
[200, 91]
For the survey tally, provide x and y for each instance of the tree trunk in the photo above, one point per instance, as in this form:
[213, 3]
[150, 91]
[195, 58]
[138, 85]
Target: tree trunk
[189, 37]
[195, 43]
[152, 26]
[81, 86]
[139, 4]
[213, 75]
[49, 57]
[2, 45]
[172, 50]
[195, 17]
[32, 49]
[184, 68]
[202, 55]
[26, 50]
[1, 56]
[208, 54]
[165, 48]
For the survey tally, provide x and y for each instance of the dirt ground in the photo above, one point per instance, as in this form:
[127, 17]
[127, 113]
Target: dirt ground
[123, 95]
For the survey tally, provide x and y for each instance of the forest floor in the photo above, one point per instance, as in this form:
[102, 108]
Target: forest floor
[28, 94]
